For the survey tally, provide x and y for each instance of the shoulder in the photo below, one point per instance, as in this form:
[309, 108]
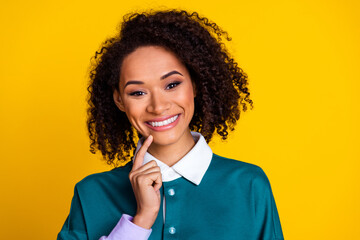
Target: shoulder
[115, 177]
[237, 166]
[247, 173]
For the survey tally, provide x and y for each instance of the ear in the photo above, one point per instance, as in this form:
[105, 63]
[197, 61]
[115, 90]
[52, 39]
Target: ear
[117, 99]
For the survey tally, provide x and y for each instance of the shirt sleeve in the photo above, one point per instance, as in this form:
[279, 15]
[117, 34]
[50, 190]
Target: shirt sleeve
[75, 225]
[268, 225]
[126, 229]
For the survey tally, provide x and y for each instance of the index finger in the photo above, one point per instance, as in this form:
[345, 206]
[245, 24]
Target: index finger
[139, 159]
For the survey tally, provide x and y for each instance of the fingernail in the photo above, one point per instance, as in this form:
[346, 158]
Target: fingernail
[148, 139]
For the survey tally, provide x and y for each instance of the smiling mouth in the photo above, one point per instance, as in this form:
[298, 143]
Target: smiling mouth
[163, 123]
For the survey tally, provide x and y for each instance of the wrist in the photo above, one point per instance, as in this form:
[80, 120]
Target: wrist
[144, 221]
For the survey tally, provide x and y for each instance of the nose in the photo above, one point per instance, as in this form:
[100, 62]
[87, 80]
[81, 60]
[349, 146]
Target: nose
[158, 104]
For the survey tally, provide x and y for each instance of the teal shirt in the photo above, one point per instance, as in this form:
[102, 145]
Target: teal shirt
[233, 201]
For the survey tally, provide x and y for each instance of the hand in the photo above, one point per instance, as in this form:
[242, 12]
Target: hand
[146, 182]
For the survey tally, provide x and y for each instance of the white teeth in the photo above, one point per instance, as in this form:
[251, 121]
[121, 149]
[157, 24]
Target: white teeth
[164, 123]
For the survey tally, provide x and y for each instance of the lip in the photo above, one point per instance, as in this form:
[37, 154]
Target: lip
[162, 118]
[166, 127]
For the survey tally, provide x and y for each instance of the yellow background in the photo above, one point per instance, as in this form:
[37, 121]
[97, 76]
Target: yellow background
[302, 58]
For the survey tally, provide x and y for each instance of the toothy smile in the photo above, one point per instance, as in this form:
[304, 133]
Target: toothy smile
[165, 122]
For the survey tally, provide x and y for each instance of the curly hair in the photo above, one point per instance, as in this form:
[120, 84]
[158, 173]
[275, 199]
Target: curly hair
[221, 86]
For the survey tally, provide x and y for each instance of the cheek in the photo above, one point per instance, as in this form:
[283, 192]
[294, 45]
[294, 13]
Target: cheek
[134, 117]
[187, 100]
[133, 113]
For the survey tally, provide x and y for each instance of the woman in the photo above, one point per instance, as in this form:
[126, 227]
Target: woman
[167, 79]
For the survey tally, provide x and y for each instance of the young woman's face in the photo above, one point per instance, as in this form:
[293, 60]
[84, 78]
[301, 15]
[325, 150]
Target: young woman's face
[157, 94]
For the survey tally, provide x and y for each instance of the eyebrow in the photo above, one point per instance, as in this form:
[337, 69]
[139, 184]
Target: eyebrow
[169, 74]
[161, 78]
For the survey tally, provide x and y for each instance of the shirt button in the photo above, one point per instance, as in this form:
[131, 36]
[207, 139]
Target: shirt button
[172, 230]
[171, 192]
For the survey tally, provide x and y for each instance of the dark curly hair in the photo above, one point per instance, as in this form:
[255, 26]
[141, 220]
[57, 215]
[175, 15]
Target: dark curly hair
[221, 86]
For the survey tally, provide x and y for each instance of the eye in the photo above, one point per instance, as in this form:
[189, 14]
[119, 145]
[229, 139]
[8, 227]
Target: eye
[136, 93]
[172, 85]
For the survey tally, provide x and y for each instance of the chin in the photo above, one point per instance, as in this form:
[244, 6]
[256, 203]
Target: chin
[165, 139]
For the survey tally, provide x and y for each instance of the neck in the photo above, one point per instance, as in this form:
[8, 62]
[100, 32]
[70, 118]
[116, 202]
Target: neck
[172, 153]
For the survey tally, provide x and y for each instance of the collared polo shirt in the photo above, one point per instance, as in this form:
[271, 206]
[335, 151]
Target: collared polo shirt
[233, 200]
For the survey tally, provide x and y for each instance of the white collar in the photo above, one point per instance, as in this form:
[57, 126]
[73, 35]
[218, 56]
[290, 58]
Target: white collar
[192, 166]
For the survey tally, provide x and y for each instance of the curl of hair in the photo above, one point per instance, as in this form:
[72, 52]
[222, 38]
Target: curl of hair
[221, 85]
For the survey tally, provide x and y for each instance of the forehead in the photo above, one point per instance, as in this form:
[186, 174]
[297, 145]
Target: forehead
[150, 62]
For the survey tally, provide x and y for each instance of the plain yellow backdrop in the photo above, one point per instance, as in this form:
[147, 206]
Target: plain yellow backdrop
[302, 58]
